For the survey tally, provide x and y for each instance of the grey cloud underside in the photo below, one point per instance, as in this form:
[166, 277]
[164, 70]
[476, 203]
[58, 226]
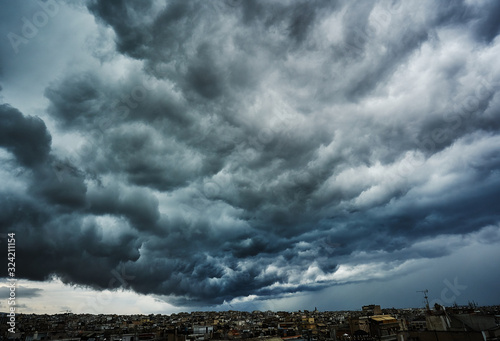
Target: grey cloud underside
[21, 290]
[246, 149]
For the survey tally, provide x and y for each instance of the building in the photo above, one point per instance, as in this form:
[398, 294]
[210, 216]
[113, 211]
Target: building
[371, 309]
[375, 327]
[442, 325]
[384, 327]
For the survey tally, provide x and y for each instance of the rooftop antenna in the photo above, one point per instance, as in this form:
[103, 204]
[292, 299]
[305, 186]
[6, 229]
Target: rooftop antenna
[426, 297]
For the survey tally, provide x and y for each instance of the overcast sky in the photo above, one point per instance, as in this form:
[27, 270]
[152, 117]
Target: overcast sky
[161, 156]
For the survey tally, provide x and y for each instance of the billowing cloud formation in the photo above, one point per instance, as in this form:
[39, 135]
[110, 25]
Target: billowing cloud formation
[237, 148]
[26, 137]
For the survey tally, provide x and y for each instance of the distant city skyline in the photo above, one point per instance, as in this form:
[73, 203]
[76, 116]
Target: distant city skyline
[371, 323]
[161, 156]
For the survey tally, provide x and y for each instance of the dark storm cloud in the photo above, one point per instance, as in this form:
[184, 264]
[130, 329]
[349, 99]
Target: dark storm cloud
[121, 15]
[488, 26]
[52, 213]
[74, 101]
[26, 137]
[139, 206]
[262, 148]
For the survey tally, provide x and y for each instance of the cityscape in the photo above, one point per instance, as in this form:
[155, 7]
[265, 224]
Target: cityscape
[371, 322]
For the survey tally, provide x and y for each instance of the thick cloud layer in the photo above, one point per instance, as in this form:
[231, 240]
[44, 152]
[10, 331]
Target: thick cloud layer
[237, 148]
[25, 137]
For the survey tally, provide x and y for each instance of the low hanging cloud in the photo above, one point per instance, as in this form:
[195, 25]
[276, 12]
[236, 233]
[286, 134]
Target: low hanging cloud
[234, 149]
